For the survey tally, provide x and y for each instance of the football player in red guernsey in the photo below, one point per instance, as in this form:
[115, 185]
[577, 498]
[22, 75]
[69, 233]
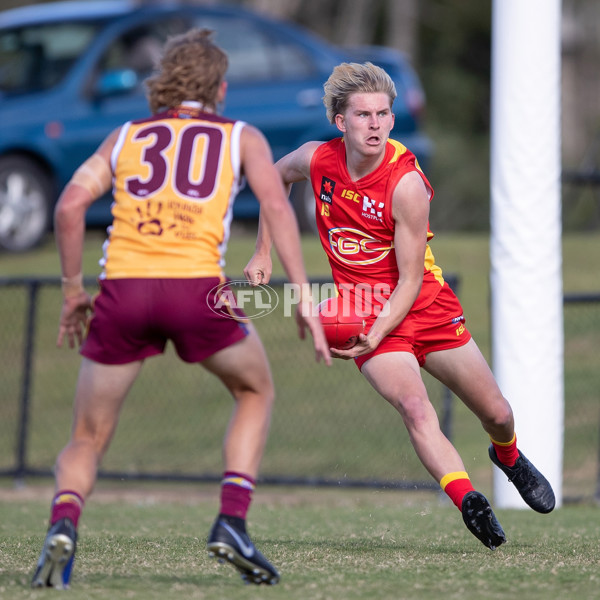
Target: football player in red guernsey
[372, 212]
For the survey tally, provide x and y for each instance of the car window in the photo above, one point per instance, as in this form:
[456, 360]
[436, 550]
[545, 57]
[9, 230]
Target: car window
[38, 57]
[139, 49]
[254, 55]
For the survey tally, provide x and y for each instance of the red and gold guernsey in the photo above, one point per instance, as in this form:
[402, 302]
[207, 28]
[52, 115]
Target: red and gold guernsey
[175, 178]
[355, 223]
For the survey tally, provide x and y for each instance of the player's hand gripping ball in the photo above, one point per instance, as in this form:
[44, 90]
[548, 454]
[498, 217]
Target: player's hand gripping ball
[340, 323]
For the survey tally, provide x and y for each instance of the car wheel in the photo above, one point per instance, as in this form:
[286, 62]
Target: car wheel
[303, 201]
[26, 196]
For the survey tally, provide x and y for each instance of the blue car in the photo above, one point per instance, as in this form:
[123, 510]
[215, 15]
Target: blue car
[70, 72]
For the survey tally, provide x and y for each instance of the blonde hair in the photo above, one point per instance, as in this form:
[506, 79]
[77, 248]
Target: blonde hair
[350, 78]
[192, 67]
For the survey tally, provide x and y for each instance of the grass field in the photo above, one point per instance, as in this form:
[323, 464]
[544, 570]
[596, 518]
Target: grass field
[327, 544]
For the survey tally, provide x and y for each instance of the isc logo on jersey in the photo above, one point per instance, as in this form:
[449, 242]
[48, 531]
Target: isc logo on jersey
[355, 247]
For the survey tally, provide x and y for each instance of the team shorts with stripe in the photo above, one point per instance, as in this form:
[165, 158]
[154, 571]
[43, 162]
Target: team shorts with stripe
[439, 326]
[134, 318]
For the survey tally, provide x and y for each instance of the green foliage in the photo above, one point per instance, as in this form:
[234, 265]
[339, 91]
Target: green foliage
[455, 68]
[454, 65]
[459, 174]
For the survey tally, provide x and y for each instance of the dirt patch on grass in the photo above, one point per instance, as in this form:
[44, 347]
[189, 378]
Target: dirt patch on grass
[190, 494]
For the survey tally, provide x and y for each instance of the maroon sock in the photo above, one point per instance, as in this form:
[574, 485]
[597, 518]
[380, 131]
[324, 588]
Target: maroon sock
[66, 504]
[236, 494]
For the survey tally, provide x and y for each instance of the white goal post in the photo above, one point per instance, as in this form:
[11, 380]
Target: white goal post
[525, 245]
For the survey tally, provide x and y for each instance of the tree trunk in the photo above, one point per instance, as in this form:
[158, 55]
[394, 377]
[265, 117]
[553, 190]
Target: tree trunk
[355, 21]
[402, 26]
[276, 8]
[580, 84]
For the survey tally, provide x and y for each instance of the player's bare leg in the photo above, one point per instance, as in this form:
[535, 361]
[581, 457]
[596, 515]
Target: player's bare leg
[99, 396]
[465, 371]
[101, 390]
[396, 376]
[244, 369]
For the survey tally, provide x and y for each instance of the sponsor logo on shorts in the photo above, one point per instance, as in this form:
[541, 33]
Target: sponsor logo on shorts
[461, 328]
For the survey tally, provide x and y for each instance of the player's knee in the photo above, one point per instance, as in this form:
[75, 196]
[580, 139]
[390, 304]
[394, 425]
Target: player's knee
[502, 416]
[261, 394]
[416, 412]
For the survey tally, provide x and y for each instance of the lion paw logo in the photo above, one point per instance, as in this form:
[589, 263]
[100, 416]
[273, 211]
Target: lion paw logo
[149, 222]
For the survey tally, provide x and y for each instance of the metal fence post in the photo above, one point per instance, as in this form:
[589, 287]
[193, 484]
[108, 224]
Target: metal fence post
[21, 450]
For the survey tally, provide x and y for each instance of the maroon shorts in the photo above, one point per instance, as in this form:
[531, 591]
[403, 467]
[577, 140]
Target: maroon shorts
[439, 326]
[134, 318]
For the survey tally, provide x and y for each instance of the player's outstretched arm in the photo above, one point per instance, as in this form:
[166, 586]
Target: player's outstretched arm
[260, 267]
[293, 167]
[91, 181]
[281, 227]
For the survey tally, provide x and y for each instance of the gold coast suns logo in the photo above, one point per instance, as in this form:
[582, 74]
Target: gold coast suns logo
[355, 247]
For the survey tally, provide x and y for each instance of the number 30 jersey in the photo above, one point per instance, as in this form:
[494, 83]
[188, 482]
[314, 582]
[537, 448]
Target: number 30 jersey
[175, 178]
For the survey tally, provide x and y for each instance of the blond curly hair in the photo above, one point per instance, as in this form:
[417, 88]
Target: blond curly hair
[192, 67]
[350, 78]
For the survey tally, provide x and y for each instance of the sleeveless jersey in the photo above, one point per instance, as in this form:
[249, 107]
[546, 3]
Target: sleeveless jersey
[356, 226]
[175, 177]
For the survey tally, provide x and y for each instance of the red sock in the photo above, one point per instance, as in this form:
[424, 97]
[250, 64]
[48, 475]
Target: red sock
[66, 504]
[507, 452]
[236, 494]
[456, 485]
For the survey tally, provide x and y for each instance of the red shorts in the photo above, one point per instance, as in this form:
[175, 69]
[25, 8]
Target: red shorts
[134, 318]
[439, 326]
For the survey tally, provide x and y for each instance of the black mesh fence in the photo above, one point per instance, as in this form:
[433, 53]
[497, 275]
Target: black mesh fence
[581, 461]
[329, 426]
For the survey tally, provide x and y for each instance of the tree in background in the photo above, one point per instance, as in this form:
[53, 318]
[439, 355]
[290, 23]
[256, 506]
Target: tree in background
[449, 43]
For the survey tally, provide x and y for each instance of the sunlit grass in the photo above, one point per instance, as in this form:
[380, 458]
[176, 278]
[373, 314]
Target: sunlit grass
[327, 544]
